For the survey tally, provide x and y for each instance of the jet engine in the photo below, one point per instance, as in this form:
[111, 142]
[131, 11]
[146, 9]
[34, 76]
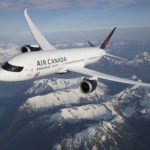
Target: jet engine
[30, 48]
[88, 86]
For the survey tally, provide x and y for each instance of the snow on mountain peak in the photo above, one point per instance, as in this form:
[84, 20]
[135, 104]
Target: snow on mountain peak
[85, 112]
[143, 57]
[86, 138]
[135, 100]
[42, 85]
[65, 91]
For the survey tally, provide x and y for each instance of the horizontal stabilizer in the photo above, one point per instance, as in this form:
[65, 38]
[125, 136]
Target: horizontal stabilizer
[113, 56]
[91, 44]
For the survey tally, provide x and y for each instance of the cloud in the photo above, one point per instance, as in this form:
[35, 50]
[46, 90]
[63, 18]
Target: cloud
[56, 4]
[8, 51]
[8, 5]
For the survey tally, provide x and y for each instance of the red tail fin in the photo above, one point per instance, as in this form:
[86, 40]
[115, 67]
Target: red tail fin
[107, 39]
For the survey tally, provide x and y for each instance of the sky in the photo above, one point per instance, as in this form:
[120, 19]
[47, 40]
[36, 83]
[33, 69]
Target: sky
[60, 16]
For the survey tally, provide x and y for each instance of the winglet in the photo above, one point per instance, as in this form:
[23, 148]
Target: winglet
[107, 39]
[25, 11]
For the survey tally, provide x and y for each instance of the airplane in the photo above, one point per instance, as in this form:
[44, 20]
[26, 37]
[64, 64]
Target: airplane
[43, 59]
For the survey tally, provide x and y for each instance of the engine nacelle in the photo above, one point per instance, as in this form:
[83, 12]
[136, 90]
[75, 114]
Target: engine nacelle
[30, 48]
[88, 86]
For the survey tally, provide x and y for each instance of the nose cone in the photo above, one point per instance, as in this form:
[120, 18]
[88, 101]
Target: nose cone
[3, 75]
[7, 76]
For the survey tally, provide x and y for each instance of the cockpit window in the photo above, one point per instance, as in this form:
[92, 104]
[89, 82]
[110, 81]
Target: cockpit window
[12, 68]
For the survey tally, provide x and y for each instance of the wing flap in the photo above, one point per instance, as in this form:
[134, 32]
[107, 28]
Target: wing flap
[44, 44]
[93, 73]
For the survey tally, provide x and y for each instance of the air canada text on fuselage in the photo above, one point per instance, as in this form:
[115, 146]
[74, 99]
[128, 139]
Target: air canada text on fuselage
[51, 61]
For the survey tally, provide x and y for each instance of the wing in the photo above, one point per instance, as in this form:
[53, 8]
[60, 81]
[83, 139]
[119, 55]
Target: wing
[44, 44]
[106, 76]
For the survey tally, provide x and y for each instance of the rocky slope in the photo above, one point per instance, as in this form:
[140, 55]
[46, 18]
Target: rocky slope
[54, 114]
[64, 92]
[82, 121]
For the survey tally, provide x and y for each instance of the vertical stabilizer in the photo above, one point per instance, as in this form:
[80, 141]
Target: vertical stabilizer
[107, 39]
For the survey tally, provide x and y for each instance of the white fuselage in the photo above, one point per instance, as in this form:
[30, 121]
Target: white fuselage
[41, 63]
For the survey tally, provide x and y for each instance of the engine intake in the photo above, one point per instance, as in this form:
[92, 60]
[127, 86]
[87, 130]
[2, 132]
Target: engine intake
[30, 48]
[88, 86]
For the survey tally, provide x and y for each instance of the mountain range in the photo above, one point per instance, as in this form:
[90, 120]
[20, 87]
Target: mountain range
[52, 113]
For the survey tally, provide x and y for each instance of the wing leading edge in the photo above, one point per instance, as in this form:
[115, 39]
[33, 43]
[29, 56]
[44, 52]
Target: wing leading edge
[106, 76]
[44, 44]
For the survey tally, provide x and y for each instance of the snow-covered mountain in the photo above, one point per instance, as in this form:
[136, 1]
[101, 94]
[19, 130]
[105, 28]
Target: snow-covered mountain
[80, 113]
[132, 103]
[95, 121]
[141, 58]
[135, 102]
[54, 114]
[54, 84]
[94, 137]
[63, 92]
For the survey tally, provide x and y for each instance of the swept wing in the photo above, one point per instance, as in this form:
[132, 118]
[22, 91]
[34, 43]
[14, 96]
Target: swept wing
[41, 40]
[106, 76]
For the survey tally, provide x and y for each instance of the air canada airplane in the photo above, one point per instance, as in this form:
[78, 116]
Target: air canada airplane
[43, 59]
